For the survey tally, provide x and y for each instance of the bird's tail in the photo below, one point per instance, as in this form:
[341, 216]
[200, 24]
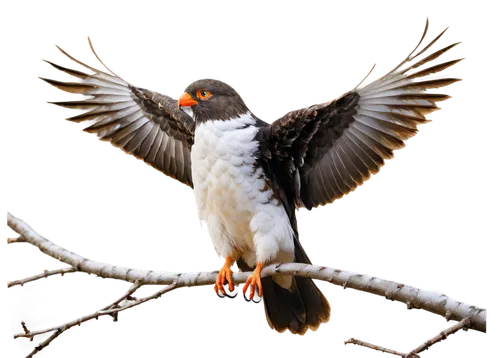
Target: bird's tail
[301, 308]
[297, 309]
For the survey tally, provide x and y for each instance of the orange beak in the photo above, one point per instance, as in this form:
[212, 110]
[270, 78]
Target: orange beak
[186, 101]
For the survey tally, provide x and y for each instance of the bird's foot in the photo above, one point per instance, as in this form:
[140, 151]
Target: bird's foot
[252, 281]
[225, 275]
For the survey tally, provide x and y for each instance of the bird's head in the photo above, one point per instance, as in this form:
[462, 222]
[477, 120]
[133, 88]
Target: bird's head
[212, 100]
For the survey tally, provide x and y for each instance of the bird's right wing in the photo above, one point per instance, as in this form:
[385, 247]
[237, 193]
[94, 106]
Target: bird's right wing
[327, 150]
[143, 123]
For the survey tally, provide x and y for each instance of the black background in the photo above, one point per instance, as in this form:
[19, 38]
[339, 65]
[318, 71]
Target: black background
[419, 223]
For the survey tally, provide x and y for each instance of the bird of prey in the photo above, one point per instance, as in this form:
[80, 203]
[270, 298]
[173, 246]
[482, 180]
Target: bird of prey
[249, 176]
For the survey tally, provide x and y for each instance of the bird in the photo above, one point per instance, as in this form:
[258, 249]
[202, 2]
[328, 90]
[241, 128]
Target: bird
[249, 176]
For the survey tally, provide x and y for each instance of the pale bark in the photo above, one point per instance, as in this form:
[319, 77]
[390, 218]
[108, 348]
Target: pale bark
[431, 301]
[463, 324]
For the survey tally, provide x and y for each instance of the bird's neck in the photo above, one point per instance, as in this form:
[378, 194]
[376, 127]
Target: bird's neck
[241, 121]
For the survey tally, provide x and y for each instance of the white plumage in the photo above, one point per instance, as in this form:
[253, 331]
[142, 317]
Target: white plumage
[243, 218]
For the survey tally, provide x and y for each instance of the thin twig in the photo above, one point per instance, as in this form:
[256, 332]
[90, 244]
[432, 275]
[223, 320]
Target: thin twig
[111, 309]
[13, 240]
[124, 297]
[45, 274]
[463, 324]
[45, 343]
[373, 346]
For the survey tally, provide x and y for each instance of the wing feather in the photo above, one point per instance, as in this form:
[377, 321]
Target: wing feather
[113, 124]
[342, 176]
[155, 146]
[349, 164]
[338, 186]
[359, 160]
[147, 144]
[336, 146]
[373, 148]
[159, 160]
[143, 123]
[370, 158]
[330, 182]
[125, 134]
[138, 137]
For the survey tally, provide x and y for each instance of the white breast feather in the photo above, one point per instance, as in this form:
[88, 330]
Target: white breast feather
[242, 217]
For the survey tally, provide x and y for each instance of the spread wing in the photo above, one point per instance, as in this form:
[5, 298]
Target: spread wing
[328, 150]
[143, 123]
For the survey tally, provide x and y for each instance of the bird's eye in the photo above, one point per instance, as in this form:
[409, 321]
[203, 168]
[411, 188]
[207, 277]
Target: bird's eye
[203, 94]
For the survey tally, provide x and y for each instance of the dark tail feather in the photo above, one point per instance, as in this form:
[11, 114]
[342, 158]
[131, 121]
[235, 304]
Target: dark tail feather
[299, 309]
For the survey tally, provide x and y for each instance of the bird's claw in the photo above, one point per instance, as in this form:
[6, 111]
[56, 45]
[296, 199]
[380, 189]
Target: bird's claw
[254, 281]
[252, 299]
[224, 276]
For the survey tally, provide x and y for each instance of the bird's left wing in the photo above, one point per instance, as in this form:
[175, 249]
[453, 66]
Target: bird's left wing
[328, 150]
[143, 123]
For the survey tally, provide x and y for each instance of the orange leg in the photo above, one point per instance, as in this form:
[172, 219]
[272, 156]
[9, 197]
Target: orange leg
[254, 280]
[225, 273]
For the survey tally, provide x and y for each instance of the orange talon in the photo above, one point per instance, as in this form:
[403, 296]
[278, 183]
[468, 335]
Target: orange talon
[254, 280]
[225, 274]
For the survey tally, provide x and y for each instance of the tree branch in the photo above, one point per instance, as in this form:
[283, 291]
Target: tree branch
[463, 324]
[431, 301]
